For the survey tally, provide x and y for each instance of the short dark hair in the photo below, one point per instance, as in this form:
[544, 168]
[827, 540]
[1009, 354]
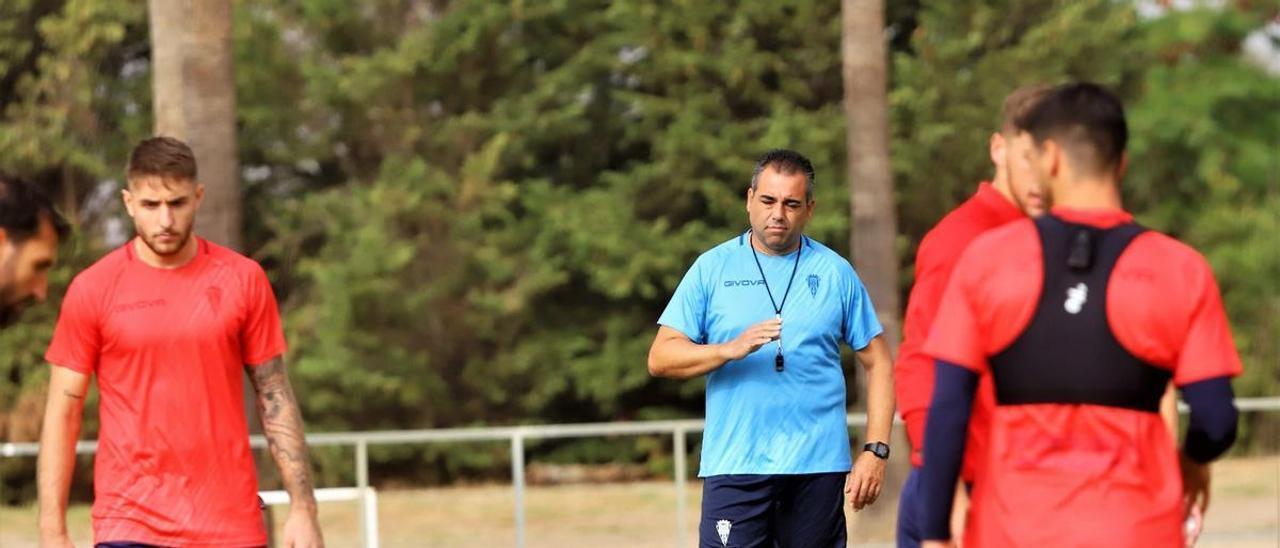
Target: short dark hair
[163, 157]
[786, 162]
[1084, 118]
[23, 207]
[1018, 103]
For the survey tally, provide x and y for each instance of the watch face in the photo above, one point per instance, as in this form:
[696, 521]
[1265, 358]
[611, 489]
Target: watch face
[878, 449]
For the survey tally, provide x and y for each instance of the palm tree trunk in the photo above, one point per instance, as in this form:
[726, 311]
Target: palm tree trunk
[195, 101]
[873, 228]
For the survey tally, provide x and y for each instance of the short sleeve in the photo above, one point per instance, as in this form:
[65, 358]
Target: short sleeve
[261, 336]
[860, 322]
[1208, 350]
[687, 310]
[955, 335]
[77, 337]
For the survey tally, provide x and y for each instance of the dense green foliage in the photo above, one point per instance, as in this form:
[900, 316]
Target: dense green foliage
[473, 212]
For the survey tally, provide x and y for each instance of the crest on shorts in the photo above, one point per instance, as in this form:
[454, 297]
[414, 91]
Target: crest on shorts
[722, 528]
[813, 284]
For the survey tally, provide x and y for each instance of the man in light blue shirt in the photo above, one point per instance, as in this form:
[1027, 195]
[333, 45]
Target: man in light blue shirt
[763, 316]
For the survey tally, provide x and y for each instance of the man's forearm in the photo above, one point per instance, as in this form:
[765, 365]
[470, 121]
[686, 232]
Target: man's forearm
[946, 432]
[880, 402]
[683, 359]
[57, 458]
[879, 366]
[282, 426]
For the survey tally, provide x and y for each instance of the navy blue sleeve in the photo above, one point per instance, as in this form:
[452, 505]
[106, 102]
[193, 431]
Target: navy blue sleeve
[944, 434]
[1212, 427]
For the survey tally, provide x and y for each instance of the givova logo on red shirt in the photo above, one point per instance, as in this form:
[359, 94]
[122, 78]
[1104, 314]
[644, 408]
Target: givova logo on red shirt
[138, 305]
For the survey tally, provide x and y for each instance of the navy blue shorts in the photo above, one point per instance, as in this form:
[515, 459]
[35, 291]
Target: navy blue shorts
[786, 511]
[909, 512]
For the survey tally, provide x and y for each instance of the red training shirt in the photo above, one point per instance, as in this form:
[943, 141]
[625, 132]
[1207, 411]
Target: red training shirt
[1067, 474]
[913, 372]
[168, 346]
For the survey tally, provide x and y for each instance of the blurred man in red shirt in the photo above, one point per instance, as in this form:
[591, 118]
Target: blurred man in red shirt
[1082, 318]
[995, 203]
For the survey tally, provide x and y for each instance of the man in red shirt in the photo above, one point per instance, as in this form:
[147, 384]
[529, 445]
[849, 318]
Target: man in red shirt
[1002, 200]
[30, 230]
[1081, 318]
[167, 322]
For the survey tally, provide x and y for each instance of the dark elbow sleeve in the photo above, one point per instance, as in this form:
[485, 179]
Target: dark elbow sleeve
[944, 435]
[1212, 425]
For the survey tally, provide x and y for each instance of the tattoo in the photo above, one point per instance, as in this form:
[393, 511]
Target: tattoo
[282, 426]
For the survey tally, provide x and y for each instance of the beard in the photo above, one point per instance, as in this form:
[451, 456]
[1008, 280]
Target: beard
[10, 306]
[169, 247]
[9, 312]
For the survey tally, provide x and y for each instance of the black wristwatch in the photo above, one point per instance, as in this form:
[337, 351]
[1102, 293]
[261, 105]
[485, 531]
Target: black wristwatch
[877, 448]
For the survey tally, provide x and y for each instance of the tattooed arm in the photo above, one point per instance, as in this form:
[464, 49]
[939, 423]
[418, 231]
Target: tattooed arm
[57, 459]
[282, 426]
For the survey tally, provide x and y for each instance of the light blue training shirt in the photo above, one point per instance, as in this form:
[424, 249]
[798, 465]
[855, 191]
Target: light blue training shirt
[761, 421]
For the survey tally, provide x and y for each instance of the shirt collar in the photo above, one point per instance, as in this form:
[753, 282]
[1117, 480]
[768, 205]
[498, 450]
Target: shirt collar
[1099, 217]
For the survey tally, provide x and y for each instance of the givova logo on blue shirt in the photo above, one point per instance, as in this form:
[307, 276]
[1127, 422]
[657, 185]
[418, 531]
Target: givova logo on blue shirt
[737, 283]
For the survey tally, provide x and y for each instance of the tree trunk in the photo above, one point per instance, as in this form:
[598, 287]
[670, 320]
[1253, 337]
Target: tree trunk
[873, 228]
[195, 101]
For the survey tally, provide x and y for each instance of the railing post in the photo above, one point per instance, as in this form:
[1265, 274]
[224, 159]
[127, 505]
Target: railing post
[362, 483]
[681, 473]
[517, 480]
[371, 510]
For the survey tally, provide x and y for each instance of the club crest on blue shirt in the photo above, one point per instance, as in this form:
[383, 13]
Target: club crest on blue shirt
[813, 284]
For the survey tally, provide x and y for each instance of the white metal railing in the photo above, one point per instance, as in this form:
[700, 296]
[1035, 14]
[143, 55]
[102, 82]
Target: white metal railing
[678, 429]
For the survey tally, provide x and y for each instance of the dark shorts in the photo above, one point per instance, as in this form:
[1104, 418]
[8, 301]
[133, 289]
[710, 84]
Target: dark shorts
[909, 510]
[786, 511]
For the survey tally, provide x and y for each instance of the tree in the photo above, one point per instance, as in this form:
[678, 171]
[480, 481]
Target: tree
[873, 220]
[873, 228]
[195, 101]
[69, 98]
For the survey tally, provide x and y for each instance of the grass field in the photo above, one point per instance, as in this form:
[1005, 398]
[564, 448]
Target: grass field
[1244, 512]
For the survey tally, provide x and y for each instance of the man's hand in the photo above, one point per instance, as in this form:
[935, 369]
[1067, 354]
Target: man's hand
[959, 513]
[752, 339]
[302, 530]
[1194, 525]
[863, 486]
[937, 544]
[1195, 493]
[56, 541]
